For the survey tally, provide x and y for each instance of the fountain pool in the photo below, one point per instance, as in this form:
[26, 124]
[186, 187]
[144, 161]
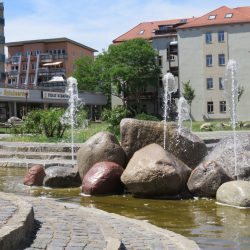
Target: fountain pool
[211, 225]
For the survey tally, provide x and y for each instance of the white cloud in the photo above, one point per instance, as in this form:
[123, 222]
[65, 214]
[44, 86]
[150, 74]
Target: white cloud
[96, 23]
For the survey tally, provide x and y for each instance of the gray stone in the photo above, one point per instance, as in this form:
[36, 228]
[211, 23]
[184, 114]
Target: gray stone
[223, 153]
[205, 180]
[103, 146]
[185, 145]
[61, 177]
[234, 193]
[153, 171]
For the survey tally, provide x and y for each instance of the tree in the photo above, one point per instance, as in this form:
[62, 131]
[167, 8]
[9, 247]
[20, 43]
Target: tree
[124, 69]
[188, 93]
[131, 66]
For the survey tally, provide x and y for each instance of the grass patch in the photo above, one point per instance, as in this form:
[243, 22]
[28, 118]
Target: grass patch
[80, 135]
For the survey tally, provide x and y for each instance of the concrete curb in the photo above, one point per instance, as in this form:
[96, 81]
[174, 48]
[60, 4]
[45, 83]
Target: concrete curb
[17, 230]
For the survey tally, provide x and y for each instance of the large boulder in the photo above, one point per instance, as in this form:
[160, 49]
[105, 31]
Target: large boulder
[152, 171]
[184, 145]
[103, 146]
[103, 178]
[61, 177]
[35, 176]
[205, 179]
[234, 193]
[223, 153]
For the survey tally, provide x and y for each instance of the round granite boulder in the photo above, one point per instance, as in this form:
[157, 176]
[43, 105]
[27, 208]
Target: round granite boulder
[223, 153]
[35, 176]
[152, 171]
[205, 179]
[103, 178]
[61, 177]
[234, 193]
[103, 146]
[185, 145]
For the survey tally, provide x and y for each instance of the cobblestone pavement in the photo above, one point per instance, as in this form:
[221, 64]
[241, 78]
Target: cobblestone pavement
[61, 226]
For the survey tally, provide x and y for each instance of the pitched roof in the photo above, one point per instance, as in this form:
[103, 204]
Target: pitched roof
[146, 30]
[239, 15]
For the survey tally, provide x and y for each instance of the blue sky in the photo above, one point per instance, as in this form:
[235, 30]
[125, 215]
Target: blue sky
[95, 23]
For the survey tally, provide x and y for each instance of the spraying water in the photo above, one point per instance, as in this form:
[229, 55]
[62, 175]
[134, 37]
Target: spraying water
[231, 91]
[169, 88]
[69, 116]
[183, 113]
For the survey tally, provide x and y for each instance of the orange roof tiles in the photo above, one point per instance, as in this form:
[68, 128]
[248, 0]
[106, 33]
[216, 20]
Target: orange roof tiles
[239, 15]
[145, 30]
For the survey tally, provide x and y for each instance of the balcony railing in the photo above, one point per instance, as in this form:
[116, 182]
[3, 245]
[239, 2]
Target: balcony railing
[13, 60]
[12, 73]
[46, 58]
[164, 31]
[51, 71]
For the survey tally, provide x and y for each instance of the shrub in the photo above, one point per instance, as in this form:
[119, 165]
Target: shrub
[114, 117]
[144, 116]
[47, 122]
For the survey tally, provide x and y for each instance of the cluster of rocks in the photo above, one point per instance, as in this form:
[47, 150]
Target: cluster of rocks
[143, 167]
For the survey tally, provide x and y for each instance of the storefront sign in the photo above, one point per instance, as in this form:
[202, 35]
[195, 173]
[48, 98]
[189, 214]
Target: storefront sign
[14, 92]
[54, 95]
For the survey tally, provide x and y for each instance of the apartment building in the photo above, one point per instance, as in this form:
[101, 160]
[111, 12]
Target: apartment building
[36, 72]
[2, 41]
[197, 50]
[163, 37]
[205, 46]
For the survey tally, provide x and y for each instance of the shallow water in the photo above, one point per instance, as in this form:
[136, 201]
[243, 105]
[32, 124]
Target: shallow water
[211, 225]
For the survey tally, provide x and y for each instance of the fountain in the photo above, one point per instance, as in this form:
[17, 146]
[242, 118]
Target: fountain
[231, 92]
[183, 114]
[70, 114]
[169, 88]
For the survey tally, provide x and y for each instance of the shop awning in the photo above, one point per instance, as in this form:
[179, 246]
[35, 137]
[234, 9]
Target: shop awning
[52, 63]
[57, 79]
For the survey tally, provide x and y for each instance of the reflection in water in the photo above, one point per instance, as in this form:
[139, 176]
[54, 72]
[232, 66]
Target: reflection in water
[211, 225]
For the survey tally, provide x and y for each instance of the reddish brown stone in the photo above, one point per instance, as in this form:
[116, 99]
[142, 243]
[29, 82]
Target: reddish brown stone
[103, 178]
[35, 176]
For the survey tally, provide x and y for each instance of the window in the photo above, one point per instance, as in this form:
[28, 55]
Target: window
[22, 80]
[27, 52]
[37, 52]
[223, 107]
[24, 67]
[210, 84]
[221, 83]
[141, 32]
[209, 60]
[229, 15]
[221, 58]
[33, 66]
[208, 37]
[221, 37]
[160, 61]
[211, 17]
[160, 82]
[210, 107]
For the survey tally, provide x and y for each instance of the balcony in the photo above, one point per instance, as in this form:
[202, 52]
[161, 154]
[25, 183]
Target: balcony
[12, 73]
[46, 58]
[13, 60]
[60, 56]
[165, 31]
[51, 71]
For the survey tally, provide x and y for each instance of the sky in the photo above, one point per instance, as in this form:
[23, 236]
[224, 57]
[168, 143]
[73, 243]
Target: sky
[95, 23]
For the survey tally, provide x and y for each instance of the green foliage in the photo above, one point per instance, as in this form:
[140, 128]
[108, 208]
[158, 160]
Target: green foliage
[81, 117]
[114, 117]
[188, 92]
[144, 116]
[123, 69]
[47, 122]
